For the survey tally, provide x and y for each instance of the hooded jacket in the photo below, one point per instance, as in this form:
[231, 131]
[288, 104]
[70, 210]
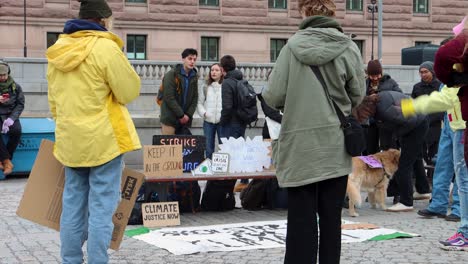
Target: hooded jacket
[229, 101]
[311, 145]
[209, 102]
[90, 82]
[15, 106]
[392, 118]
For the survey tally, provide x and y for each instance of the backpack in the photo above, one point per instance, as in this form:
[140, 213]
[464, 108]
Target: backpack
[187, 193]
[246, 102]
[159, 97]
[264, 193]
[218, 196]
[136, 216]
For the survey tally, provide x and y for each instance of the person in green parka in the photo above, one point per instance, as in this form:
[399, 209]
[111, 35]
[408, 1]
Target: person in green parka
[310, 155]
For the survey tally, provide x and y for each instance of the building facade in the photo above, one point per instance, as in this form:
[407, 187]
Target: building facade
[254, 31]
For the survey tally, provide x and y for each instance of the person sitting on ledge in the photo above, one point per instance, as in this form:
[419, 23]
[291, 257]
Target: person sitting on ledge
[11, 107]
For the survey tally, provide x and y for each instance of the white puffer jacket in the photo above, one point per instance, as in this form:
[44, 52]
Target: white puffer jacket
[210, 103]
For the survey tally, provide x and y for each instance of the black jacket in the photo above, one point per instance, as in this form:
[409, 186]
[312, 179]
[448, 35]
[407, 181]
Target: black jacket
[15, 106]
[228, 95]
[271, 113]
[385, 84]
[388, 112]
[422, 88]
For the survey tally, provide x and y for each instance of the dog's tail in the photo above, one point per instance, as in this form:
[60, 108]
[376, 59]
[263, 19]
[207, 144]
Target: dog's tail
[353, 193]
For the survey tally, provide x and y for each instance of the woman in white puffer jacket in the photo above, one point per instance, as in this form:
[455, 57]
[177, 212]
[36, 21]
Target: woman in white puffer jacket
[209, 107]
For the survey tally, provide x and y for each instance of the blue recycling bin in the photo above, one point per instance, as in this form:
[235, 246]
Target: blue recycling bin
[33, 131]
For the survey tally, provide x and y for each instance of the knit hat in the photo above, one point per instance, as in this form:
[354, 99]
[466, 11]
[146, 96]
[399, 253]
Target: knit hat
[374, 67]
[427, 65]
[3, 68]
[94, 9]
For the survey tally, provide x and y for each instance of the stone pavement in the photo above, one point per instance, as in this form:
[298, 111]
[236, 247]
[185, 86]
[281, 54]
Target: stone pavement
[22, 241]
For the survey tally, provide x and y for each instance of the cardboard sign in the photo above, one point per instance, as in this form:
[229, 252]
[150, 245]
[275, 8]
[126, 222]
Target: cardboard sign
[42, 198]
[193, 148]
[160, 214]
[165, 160]
[220, 163]
[371, 162]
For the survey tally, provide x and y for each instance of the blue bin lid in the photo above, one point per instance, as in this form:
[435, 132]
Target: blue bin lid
[37, 125]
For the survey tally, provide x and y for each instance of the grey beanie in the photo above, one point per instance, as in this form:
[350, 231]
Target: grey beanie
[427, 65]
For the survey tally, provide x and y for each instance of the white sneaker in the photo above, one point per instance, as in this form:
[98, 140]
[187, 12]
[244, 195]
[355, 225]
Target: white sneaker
[399, 207]
[421, 196]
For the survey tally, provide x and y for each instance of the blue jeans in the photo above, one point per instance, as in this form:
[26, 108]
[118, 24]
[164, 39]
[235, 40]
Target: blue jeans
[235, 131]
[462, 182]
[450, 150]
[90, 197]
[210, 130]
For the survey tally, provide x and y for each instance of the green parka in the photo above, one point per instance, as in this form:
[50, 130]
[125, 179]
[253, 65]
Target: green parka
[311, 146]
[171, 107]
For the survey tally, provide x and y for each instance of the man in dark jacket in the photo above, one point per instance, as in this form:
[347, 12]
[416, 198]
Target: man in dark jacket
[11, 107]
[379, 138]
[231, 125]
[180, 95]
[411, 133]
[428, 84]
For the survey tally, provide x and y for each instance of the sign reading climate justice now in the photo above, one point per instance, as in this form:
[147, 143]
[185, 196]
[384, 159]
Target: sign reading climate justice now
[164, 160]
[160, 214]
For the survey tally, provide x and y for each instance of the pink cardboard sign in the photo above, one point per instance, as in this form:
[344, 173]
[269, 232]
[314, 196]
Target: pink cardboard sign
[371, 161]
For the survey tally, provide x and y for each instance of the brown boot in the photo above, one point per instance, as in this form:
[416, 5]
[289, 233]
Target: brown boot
[1, 165]
[7, 167]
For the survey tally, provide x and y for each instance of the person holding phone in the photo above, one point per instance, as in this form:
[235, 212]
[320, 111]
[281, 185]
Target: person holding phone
[11, 107]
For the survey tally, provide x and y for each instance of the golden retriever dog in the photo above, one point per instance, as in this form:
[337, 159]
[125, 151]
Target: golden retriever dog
[373, 180]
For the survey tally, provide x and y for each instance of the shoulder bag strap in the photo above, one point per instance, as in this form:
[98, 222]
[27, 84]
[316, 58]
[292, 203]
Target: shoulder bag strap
[319, 76]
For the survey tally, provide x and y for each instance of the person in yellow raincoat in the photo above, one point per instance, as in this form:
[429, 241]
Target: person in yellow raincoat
[90, 82]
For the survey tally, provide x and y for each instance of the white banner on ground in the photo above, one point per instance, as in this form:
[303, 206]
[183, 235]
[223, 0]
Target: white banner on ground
[242, 236]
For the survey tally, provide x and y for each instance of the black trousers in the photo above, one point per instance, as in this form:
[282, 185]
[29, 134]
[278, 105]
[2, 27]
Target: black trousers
[379, 139]
[411, 163]
[324, 199]
[14, 136]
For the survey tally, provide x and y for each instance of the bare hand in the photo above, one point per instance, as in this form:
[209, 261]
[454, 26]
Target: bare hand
[184, 120]
[4, 100]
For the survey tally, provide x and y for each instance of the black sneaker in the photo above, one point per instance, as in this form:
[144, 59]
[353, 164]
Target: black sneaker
[452, 217]
[429, 214]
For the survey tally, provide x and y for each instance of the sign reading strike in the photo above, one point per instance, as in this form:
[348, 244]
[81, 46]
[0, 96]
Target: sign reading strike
[160, 214]
[193, 148]
[162, 160]
[220, 163]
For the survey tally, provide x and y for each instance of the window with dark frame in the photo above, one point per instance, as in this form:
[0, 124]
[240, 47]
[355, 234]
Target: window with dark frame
[135, 1]
[275, 48]
[354, 5]
[360, 45]
[209, 2]
[210, 49]
[421, 6]
[136, 47]
[421, 43]
[278, 4]
[52, 38]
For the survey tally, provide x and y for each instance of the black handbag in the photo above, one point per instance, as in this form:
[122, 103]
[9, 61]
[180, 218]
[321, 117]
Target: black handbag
[355, 140]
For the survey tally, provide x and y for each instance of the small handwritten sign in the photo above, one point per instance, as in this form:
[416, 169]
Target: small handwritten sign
[220, 163]
[371, 162]
[160, 214]
[164, 160]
